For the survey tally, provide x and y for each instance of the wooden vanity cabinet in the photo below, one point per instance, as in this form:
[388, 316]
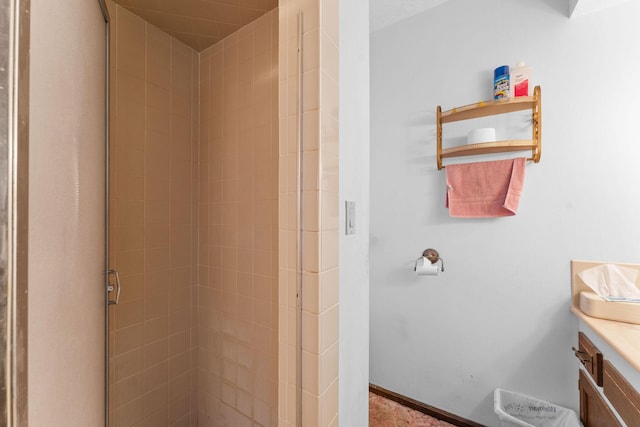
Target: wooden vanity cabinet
[590, 357]
[600, 379]
[622, 395]
[594, 411]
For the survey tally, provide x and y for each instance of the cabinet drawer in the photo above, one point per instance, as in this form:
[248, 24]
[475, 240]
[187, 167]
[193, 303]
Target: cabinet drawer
[590, 357]
[594, 411]
[622, 395]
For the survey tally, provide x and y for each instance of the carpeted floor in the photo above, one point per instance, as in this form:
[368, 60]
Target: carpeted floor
[387, 413]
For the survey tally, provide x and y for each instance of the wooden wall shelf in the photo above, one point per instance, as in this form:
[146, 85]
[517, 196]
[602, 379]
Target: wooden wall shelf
[491, 108]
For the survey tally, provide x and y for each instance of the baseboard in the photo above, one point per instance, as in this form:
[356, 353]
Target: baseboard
[423, 407]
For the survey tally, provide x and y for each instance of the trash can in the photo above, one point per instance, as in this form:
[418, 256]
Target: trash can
[515, 409]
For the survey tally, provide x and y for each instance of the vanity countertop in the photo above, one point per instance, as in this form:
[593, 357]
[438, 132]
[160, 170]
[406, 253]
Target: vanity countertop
[624, 338]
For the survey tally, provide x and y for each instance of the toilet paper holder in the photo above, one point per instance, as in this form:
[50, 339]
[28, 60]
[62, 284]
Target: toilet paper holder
[433, 256]
[429, 264]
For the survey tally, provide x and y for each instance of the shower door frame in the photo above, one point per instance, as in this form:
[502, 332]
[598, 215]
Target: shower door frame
[107, 272]
[14, 190]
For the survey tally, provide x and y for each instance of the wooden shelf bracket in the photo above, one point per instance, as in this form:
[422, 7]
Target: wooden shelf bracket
[491, 108]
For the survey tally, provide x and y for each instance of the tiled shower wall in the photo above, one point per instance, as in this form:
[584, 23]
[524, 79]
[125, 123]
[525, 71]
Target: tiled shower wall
[232, 350]
[157, 370]
[153, 211]
[238, 270]
[319, 211]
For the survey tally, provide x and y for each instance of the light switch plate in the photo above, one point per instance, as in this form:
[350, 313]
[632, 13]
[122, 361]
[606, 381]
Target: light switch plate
[350, 217]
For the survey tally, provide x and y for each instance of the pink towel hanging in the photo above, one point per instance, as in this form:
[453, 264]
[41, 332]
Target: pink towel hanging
[485, 189]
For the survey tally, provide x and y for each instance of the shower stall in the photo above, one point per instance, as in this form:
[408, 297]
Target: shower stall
[194, 226]
[211, 153]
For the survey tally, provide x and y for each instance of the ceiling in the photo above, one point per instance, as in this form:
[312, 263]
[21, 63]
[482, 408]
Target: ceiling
[383, 13]
[199, 23]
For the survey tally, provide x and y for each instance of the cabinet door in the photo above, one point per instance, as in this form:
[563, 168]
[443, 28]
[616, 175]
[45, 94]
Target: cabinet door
[624, 398]
[594, 411]
[590, 357]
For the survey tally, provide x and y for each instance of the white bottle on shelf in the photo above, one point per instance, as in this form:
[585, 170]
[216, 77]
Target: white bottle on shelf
[520, 76]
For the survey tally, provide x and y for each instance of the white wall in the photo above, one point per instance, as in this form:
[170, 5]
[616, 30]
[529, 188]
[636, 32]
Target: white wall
[354, 186]
[499, 315]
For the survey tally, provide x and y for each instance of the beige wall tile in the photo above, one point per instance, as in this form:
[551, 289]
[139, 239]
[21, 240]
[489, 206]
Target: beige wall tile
[155, 352]
[329, 209]
[127, 364]
[155, 405]
[153, 193]
[135, 288]
[311, 251]
[158, 45]
[128, 414]
[311, 53]
[329, 249]
[311, 207]
[156, 329]
[310, 409]
[130, 43]
[239, 240]
[128, 339]
[222, 71]
[329, 405]
[320, 132]
[329, 368]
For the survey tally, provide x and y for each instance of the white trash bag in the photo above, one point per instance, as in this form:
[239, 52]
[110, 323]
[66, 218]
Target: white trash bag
[516, 409]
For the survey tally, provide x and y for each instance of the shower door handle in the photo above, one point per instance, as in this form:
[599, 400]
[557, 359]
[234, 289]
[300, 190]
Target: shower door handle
[111, 287]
